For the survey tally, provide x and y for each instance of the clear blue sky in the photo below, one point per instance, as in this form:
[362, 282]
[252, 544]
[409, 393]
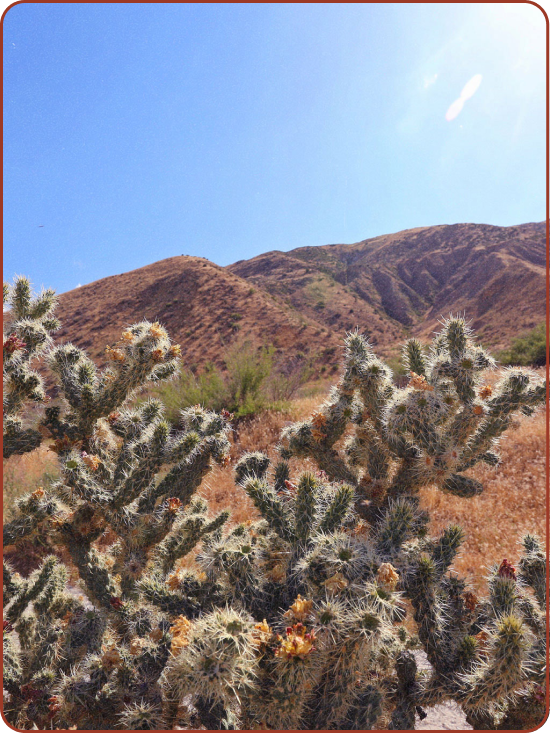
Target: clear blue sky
[135, 132]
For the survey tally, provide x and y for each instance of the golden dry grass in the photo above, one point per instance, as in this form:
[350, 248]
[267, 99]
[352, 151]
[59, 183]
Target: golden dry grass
[26, 473]
[513, 501]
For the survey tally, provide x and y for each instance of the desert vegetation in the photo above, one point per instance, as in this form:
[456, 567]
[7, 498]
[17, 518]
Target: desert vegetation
[528, 349]
[252, 381]
[277, 572]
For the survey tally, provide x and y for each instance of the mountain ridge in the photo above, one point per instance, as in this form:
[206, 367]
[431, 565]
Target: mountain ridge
[204, 307]
[417, 275]
[303, 301]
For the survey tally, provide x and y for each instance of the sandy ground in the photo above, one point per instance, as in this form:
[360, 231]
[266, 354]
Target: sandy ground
[444, 717]
[448, 716]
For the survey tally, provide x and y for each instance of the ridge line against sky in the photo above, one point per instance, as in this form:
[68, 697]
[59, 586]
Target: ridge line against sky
[136, 132]
[289, 251]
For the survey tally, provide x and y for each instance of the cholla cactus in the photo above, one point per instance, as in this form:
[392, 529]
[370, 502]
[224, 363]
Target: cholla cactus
[124, 471]
[30, 325]
[293, 619]
[483, 654]
[444, 422]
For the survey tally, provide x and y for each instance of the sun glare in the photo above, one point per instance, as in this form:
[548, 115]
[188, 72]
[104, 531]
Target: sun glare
[519, 28]
[470, 88]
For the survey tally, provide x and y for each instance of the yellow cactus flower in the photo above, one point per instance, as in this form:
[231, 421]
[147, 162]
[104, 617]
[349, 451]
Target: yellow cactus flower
[300, 609]
[418, 381]
[387, 577]
[485, 392]
[157, 331]
[115, 354]
[298, 643]
[92, 462]
[261, 634]
[180, 630]
[336, 583]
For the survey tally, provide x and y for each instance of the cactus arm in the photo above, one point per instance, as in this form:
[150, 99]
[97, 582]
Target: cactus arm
[403, 715]
[271, 507]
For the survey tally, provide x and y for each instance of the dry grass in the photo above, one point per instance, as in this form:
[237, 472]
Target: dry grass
[512, 503]
[26, 473]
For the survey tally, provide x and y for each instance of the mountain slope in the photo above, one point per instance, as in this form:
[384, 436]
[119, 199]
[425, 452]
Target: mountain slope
[204, 307]
[304, 301]
[403, 283]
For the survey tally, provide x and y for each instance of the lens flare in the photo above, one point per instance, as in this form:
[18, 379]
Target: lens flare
[470, 88]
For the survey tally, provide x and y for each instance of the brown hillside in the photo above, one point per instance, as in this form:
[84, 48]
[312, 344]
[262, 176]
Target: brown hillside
[305, 300]
[316, 293]
[402, 283]
[204, 307]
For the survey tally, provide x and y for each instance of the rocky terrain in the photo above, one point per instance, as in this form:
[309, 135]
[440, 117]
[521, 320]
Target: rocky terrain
[405, 282]
[303, 301]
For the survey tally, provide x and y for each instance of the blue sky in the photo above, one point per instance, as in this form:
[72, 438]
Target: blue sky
[135, 132]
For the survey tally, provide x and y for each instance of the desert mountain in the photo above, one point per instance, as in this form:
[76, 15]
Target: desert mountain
[304, 300]
[403, 283]
[204, 307]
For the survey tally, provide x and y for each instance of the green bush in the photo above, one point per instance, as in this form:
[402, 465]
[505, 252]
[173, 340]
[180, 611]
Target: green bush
[251, 382]
[207, 388]
[527, 350]
[247, 373]
[240, 388]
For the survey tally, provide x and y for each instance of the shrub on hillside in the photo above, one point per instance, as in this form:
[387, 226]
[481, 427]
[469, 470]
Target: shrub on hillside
[252, 381]
[527, 350]
[291, 621]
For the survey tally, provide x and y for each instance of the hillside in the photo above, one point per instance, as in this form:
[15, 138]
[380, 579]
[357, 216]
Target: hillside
[205, 308]
[404, 282]
[303, 301]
